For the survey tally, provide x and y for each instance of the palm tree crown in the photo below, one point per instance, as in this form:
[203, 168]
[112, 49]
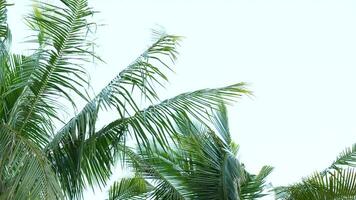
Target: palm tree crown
[40, 160]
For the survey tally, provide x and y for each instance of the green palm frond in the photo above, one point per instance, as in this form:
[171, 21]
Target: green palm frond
[31, 86]
[346, 158]
[24, 169]
[40, 161]
[98, 149]
[5, 34]
[96, 158]
[221, 123]
[162, 169]
[216, 171]
[167, 177]
[13, 70]
[159, 120]
[200, 165]
[254, 186]
[27, 172]
[3, 18]
[140, 74]
[58, 67]
[335, 185]
[335, 182]
[129, 188]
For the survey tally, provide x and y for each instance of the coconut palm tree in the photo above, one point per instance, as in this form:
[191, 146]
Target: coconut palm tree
[334, 183]
[43, 156]
[202, 164]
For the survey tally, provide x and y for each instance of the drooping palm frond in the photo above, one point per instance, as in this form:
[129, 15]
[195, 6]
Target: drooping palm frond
[141, 75]
[156, 120]
[146, 71]
[159, 120]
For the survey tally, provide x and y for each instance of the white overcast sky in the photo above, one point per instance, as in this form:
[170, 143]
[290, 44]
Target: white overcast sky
[299, 57]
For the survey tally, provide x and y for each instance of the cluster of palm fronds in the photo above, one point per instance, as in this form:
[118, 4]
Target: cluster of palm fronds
[201, 165]
[39, 160]
[179, 148]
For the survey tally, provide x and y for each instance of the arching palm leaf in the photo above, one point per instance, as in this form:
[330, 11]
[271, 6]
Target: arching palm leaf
[335, 182]
[80, 130]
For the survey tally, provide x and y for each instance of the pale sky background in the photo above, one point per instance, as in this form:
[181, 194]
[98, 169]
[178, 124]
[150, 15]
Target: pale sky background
[298, 57]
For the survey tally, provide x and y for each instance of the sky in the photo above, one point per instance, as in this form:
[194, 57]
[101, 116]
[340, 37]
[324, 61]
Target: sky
[298, 57]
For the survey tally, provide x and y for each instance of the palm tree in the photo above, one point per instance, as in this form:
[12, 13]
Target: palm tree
[337, 182]
[202, 164]
[44, 157]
